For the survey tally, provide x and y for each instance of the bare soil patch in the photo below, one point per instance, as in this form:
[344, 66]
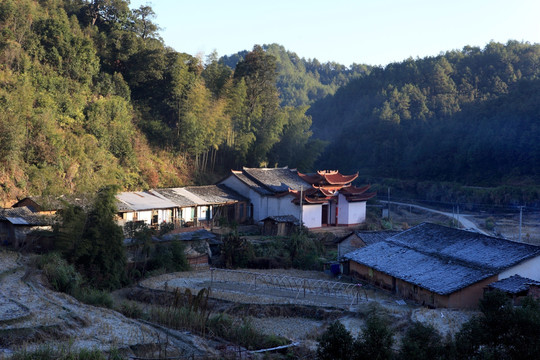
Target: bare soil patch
[299, 318]
[34, 316]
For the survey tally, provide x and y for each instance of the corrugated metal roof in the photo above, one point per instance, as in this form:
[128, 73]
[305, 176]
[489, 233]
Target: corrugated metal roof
[142, 200]
[17, 220]
[442, 259]
[177, 196]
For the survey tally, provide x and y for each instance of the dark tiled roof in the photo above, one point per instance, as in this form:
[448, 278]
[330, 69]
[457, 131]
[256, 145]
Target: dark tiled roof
[251, 183]
[23, 216]
[442, 259]
[275, 180]
[470, 247]
[284, 219]
[514, 284]
[53, 203]
[373, 237]
[429, 272]
[216, 194]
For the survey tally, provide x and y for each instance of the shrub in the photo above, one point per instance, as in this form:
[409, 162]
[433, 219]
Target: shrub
[490, 223]
[335, 343]
[61, 275]
[131, 309]
[95, 297]
[421, 342]
[376, 339]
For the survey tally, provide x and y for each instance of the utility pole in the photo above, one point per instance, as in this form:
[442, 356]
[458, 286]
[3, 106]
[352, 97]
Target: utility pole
[520, 220]
[301, 205]
[458, 223]
[389, 203]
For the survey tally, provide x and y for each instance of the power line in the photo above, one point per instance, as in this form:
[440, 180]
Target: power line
[478, 205]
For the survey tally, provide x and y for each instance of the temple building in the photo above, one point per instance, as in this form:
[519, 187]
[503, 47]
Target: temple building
[325, 198]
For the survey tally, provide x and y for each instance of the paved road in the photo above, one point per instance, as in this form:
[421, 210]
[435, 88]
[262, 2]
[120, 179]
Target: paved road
[462, 219]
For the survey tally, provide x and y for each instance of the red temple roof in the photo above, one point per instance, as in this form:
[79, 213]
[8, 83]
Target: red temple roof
[328, 177]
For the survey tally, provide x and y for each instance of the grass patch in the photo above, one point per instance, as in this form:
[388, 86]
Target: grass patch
[66, 353]
[64, 278]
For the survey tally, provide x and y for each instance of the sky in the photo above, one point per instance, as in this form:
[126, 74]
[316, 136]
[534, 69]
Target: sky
[373, 32]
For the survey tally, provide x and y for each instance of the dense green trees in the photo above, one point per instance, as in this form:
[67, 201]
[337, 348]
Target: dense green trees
[90, 95]
[501, 331]
[93, 241]
[465, 116]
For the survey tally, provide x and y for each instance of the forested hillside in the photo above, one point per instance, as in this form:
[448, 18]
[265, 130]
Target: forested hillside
[90, 95]
[470, 116]
[300, 81]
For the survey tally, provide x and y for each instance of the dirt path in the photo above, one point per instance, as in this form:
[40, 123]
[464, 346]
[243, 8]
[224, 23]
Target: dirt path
[465, 223]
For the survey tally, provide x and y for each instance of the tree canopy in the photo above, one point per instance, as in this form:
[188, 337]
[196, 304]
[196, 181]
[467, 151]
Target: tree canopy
[468, 116]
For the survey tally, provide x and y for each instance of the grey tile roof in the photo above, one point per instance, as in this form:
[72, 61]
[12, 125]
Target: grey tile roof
[276, 180]
[514, 284]
[470, 247]
[53, 203]
[441, 259]
[216, 194]
[23, 216]
[252, 183]
[373, 237]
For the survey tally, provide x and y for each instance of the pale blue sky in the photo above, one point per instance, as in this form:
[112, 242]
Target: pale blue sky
[374, 32]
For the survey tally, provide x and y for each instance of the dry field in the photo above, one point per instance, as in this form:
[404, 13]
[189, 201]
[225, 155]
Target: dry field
[32, 316]
[350, 310]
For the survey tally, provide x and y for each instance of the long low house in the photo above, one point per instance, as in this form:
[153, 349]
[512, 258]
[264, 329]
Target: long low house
[320, 199]
[441, 266]
[191, 206]
[324, 198]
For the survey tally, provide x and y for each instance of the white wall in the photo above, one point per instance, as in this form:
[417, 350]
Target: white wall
[351, 213]
[357, 212]
[204, 212]
[128, 216]
[312, 216]
[528, 268]
[343, 210]
[145, 216]
[332, 210]
[164, 215]
[188, 214]
[258, 202]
